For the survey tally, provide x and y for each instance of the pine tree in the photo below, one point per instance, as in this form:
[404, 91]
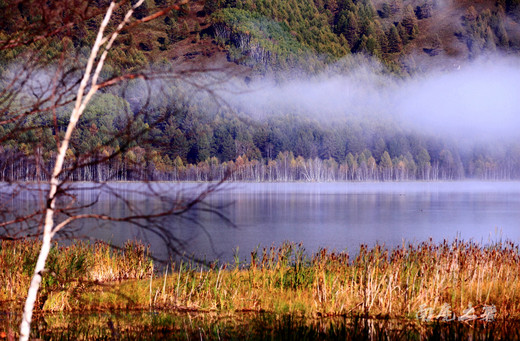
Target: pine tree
[386, 166]
[497, 23]
[403, 34]
[489, 37]
[395, 44]
[424, 11]
[512, 6]
[351, 31]
[409, 20]
[380, 36]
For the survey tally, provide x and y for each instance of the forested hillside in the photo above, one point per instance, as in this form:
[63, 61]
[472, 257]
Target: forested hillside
[406, 35]
[184, 137]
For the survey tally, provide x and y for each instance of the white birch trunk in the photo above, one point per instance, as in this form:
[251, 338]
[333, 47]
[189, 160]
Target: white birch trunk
[50, 228]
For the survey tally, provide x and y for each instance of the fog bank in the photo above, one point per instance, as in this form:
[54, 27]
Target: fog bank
[476, 100]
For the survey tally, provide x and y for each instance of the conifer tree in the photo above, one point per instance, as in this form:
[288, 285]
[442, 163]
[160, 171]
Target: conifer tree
[395, 44]
[409, 21]
[351, 31]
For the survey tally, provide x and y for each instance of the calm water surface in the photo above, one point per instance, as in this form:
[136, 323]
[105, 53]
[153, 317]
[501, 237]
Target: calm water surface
[337, 216]
[344, 215]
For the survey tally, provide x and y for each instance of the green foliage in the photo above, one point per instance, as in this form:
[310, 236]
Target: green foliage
[287, 31]
[256, 39]
[268, 35]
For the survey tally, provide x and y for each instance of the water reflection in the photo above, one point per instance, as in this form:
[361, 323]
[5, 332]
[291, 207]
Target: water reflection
[333, 215]
[342, 216]
[172, 325]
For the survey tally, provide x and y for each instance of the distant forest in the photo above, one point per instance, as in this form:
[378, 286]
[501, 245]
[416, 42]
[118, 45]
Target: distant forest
[184, 142]
[177, 139]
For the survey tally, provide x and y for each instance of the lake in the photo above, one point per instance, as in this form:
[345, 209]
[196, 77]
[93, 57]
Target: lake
[342, 216]
[338, 216]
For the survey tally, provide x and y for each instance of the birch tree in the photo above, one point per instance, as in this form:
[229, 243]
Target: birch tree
[88, 87]
[53, 218]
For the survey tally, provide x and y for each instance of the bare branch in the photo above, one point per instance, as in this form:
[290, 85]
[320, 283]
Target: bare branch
[49, 228]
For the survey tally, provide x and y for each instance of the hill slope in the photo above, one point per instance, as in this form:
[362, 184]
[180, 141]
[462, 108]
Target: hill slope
[408, 35]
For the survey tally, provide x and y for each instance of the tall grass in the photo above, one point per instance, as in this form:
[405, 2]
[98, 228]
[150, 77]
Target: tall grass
[70, 269]
[377, 282]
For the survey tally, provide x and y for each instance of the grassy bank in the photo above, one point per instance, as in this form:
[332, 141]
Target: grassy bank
[426, 279]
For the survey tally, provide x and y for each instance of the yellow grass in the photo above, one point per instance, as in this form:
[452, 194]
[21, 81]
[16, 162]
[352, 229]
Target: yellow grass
[376, 283]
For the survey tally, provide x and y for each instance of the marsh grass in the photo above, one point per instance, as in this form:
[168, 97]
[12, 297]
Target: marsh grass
[376, 283]
[70, 270]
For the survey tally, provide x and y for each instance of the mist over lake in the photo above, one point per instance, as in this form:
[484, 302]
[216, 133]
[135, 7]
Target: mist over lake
[332, 215]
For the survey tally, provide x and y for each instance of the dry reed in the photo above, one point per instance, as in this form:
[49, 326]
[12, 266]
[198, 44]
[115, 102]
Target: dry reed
[376, 283]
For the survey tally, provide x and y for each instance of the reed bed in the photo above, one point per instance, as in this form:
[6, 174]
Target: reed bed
[70, 270]
[442, 279]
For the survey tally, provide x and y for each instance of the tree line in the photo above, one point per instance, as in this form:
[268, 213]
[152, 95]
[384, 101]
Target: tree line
[171, 140]
[135, 165]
